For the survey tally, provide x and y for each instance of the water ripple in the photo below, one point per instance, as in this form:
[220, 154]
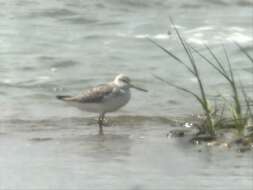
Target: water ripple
[80, 20]
[120, 120]
[64, 63]
[54, 13]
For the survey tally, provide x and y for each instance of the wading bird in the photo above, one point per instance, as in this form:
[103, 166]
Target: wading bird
[103, 98]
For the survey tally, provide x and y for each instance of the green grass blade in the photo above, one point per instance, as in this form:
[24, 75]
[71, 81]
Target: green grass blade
[192, 61]
[171, 54]
[216, 59]
[247, 101]
[211, 63]
[244, 51]
[180, 88]
[228, 63]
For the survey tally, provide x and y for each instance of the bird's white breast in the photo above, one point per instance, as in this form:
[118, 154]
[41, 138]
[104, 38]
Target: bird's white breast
[116, 100]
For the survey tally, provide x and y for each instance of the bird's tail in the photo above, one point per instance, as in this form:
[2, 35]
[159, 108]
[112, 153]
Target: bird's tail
[60, 97]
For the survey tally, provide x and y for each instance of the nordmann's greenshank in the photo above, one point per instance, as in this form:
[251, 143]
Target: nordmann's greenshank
[103, 98]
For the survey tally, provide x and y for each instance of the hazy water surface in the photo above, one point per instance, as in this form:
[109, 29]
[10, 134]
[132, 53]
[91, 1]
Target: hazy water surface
[60, 47]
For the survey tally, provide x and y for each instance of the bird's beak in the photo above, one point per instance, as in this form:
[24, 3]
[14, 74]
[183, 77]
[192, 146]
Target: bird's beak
[138, 88]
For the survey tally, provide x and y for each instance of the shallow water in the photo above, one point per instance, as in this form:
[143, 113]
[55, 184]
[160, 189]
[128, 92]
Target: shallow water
[48, 155]
[59, 47]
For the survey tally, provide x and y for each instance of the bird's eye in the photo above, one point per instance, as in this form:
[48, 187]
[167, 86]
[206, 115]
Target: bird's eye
[125, 80]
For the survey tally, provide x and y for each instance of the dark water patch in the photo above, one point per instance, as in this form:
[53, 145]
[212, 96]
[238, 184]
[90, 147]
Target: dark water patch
[5, 84]
[162, 4]
[80, 20]
[245, 3]
[1, 92]
[75, 84]
[41, 139]
[142, 120]
[34, 84]
[248, 87]
[243, 67]
[91, 138]
[53, 62]
[225, 85]
[26, 3]
[136, 4]
[76, 4]
[87, 4]
[117, 58]
[110, 23]
[247, 48]
[46, 61]
[44, 124]
[27, 68]
[203, 138]
[2, 133]
[218, 2]
[47, 86]
[39, 96]
[64, 63]
[93, 37]
[173, 102]
[53, 13]
[76, 122]
[191, 6]
[249, 69]
[100, 5]
[46, 58]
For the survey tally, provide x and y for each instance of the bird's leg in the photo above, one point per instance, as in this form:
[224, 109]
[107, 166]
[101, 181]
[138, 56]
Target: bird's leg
[100, 123]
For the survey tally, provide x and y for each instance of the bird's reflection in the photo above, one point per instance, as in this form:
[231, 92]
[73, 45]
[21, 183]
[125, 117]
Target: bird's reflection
[105, 147]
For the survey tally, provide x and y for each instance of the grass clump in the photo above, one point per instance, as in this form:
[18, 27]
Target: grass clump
[208, 126]
[239, 119]
[214, 120]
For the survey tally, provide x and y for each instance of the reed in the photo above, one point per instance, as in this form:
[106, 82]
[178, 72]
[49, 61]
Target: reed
[240, 116]
[244, 52]
[208, 127]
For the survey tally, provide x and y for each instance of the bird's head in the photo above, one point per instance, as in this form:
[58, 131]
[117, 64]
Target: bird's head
[124, 81]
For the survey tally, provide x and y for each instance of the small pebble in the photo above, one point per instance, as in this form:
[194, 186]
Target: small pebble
[211, 143]
[196, 142]
[188, 125]
[225, 145]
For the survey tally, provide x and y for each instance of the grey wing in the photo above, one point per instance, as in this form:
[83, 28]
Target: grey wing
[95, 95]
